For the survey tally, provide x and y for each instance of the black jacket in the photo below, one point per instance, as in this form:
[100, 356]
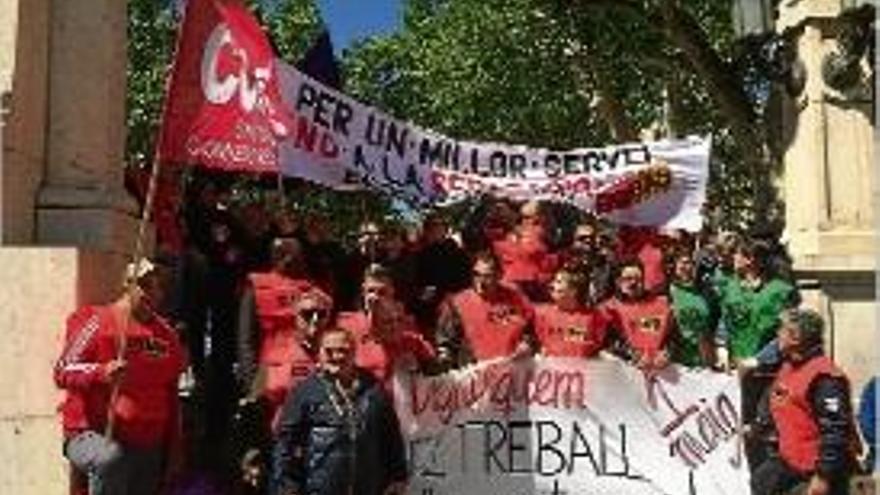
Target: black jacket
[323, 446]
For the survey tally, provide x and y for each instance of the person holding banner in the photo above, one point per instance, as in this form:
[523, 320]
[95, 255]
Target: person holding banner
[490, 320]
[386, 336]
[568, 327]
[338, 433]
[120, 367]
[811, 409]
[643, 321]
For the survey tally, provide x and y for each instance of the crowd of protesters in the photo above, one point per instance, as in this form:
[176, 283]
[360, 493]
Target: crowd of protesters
[292, 338]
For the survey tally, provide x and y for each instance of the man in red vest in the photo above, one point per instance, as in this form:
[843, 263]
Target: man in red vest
[120, 365]
[266, 315]
[489, 320]
[810, 407]
[386, 337]
[642, 321]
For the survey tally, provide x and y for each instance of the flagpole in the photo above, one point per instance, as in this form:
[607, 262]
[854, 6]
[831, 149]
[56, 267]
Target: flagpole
[130, 281]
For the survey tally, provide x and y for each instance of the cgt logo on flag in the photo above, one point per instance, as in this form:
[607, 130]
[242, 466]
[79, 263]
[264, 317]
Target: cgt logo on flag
[223, 107]
[226, 72]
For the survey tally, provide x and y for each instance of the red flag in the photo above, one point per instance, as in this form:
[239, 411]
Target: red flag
[223, 108]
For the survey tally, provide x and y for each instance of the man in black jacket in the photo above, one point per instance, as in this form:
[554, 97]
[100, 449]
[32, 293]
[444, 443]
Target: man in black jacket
[810, 407]
[338, 433]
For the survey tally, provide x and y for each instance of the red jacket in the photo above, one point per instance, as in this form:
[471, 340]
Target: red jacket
[645, 324]
[283, 358]
[145, 410]
[792, 412]
[570, 334]
[495, 328]
[380, 358]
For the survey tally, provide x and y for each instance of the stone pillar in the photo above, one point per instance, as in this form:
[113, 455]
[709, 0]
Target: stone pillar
[83, 202]
[24, 68]
[41, 286]
[830, 189]
[62, 89]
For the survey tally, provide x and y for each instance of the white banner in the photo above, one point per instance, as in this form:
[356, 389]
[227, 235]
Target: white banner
[568, 426]
[341, 143]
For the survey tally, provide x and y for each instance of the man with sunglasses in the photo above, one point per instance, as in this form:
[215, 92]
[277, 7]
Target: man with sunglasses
[266, 319]
[588, 256]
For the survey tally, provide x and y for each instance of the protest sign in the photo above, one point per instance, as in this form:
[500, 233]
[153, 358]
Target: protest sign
[554, 426]
[341, 143]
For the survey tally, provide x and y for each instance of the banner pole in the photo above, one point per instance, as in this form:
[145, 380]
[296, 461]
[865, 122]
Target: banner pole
[129, 285]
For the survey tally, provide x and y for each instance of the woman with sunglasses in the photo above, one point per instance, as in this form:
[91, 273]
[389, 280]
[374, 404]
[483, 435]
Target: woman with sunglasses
[285, 361]
[643, 321]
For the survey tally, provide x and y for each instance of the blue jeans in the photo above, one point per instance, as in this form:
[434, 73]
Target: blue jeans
[113, 469]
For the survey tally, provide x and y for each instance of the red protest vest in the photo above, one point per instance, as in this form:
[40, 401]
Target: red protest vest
[645, 324]
[147, 400]
[280, 354]
[380, 357]
[493, 328]
[792, 412]
[570, 334]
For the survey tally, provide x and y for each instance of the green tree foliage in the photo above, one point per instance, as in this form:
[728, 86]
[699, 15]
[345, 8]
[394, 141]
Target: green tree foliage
[577, 73]
[151, 35]
[152, 31]
[292, 26]
[556, 73]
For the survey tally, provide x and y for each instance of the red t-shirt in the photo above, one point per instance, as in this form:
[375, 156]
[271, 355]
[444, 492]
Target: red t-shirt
[570, 334]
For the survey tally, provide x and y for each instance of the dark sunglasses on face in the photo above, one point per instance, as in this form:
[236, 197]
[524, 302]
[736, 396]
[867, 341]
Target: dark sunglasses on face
[310, 314]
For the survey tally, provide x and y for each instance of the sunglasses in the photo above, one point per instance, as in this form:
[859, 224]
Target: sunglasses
[310, 314]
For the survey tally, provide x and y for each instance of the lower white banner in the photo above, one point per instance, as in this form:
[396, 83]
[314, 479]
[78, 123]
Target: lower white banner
[576, 427]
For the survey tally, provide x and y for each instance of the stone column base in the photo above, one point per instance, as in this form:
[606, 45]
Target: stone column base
[41, 286]
[88, 217]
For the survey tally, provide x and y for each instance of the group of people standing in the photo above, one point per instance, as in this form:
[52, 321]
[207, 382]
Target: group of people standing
[313, 339]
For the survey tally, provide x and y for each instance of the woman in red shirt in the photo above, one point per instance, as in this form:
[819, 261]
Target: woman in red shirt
[568, 327]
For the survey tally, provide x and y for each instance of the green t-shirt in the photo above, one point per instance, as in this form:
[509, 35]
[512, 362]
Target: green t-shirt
[751, 316]
[694, 321]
